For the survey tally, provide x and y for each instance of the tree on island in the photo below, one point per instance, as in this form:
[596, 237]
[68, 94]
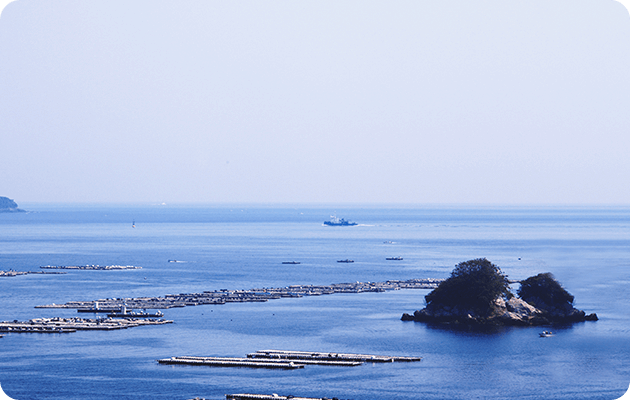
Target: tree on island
[543, 289]
[474, 284]
[545, 293]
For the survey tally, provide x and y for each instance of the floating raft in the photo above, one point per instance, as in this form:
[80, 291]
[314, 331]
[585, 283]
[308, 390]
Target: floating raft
[299, 356]
[230, 362]
[248, 396]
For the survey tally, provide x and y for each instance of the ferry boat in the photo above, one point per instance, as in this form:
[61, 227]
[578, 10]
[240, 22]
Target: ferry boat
[394, 258]
[334, 221]
[345, 261]
[290, 262]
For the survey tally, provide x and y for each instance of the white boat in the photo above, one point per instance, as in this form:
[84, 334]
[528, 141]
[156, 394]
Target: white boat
[334, 221]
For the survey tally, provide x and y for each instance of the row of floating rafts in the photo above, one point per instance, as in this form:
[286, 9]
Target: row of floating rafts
[328, 356]
[250, 396]
[98, 309]
[274, 396]
[124, 313]
[229, 362]
[90, 267]
[347, 260]
[253, 295]
[35, 329]
[286, 359]
[120, 312]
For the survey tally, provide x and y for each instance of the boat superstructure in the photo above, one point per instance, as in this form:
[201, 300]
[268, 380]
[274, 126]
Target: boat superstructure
[334, 221]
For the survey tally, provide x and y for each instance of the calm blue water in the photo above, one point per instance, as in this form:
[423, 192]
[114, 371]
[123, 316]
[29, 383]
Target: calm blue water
[242, 247]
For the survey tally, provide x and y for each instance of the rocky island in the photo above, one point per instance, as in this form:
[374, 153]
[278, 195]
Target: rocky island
[8, 205]
[478, 293]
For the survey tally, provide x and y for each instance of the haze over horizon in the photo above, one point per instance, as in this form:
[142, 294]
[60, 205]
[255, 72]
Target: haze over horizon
[359, 102]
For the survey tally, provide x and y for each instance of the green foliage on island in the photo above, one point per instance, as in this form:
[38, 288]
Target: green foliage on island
[474, 285]
[8, 206]
[545, 293]
[6, 202]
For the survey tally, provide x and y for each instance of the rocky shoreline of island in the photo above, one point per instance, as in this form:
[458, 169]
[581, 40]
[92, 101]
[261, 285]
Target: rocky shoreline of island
[510, 312]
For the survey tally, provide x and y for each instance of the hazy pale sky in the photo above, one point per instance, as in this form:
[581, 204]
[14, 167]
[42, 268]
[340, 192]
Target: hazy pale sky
[491, 102]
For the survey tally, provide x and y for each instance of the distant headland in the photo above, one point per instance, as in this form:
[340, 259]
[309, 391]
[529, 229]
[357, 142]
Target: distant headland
[8, 205]
[478, 293]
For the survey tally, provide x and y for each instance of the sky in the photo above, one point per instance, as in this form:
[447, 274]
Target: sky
[368, 102]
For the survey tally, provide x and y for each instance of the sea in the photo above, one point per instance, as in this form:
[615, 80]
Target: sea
[238, 247]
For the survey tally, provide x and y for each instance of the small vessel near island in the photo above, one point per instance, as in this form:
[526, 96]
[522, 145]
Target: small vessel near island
[345, 261]
[334, 221]
[545, 334]
[394, 258]
[290, 262]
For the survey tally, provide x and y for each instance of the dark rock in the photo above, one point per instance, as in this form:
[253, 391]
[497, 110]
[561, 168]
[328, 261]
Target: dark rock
[591, 317]
[407, 317]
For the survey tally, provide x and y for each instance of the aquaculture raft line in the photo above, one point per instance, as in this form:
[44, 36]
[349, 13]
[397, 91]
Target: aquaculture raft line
[286, 359]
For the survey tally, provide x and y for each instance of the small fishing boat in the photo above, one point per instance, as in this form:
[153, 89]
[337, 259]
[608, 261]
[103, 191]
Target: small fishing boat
[394, 258]
[345, 261]
[545, 334]
[290, 262]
